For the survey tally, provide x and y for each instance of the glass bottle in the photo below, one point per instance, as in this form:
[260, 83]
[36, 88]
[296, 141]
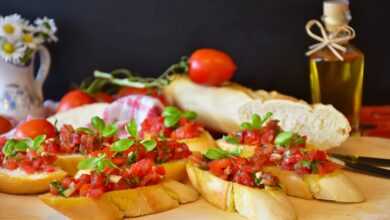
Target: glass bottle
[334, 81]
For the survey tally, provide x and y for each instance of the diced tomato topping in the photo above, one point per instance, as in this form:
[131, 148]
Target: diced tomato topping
[326, 167]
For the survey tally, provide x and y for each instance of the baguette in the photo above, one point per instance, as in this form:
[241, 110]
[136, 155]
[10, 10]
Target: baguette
[19, 182]
[224, 108]
[124, 203]
[201, 143]
[268, 203]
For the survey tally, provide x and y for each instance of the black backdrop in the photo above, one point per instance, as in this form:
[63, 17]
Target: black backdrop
[266, 38]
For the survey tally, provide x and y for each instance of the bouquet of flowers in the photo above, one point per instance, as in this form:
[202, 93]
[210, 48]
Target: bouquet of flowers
[19, 39]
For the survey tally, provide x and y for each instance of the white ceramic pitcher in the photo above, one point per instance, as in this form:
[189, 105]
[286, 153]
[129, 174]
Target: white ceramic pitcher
[20, 92]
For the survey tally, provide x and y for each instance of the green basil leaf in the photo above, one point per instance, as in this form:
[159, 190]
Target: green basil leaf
[9, 148]
[171, 121]
[266, 117]
[246, 126]
[236, 152]
[57, 185]
[37, 142]
[98, 123]
[231, 140]
[314, 167]
[305, 163]
[190, 115]
[149, 144]
[22, 145]
[88, 164]
[85, 130]
[122, 145]
[284, 138]
[132, 128]
[216, 154]
[109, 130]
[256, 121]
[171, 110]
[104, 163]
[132, 157]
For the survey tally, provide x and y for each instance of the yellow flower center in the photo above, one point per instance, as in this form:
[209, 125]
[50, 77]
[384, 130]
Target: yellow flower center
[8, 48]
[27, 38]
[8, 28]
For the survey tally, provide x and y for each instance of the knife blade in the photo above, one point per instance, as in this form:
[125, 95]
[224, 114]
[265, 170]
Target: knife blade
[363, 159]
[353, 165]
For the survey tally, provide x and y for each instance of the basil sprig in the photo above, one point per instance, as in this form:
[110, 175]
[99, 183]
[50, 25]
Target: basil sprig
[288, 138]
[132, 129]
[96, 163]
[218, 153]
[12, 146]
[172, 116]
[256, 122]
[149, 144]
[231, 140]
[105, 130]
[122, 145]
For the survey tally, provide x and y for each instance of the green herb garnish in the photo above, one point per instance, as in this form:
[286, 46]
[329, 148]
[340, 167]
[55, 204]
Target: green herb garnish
[122, 145]
[256, 122]
[231, 140]
[172, 116]
[149, 144]
[132, 128]
[12, 146]
[106, 130]
[96, 163]
[284, 138]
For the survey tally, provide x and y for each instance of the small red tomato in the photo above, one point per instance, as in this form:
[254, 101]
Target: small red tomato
[5, 125]
[34, 128]
[74, 99]
[211, 67]
[103, 97]
[126, 91]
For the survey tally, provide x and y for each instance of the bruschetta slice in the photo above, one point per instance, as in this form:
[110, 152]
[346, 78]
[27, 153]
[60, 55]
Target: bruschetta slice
[25, 169]
[180, 126]
[105, 191]
[234, 184]
[303, 171]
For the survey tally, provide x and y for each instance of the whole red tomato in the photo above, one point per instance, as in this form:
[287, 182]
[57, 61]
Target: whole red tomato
[74, 99]
[211, 67]
[34, 128]
[103, 97]
[5, 125]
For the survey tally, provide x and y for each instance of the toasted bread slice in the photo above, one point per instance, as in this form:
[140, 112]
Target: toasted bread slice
[124, 203]
[332, 187]
[19, 182]
[201, 143]
[269, 203]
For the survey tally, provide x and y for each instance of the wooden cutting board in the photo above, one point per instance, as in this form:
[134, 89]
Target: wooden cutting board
[376, 191]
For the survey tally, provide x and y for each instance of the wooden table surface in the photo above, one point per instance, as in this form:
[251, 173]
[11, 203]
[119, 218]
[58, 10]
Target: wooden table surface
[376, 191]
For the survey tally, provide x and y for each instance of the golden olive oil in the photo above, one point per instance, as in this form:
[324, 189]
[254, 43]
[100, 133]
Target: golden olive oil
[338, 82]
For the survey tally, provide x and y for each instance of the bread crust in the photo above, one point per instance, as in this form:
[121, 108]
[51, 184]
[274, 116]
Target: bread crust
[27, 184]
[201, 143]
[124, 203]
[251, 203]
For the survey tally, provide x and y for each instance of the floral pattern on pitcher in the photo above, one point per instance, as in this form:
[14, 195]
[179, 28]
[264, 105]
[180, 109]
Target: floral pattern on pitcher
[15, 97]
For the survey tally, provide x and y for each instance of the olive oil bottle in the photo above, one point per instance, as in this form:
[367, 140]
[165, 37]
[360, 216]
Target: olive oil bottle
[335, 81]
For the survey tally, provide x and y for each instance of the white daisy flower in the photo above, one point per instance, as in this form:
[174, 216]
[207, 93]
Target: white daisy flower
[11, 27]
[47, 26]
[12, 52]
[30, 41]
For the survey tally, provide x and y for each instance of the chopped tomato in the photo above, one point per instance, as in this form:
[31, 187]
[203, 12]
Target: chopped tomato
[325, 167]
[141, 168]
[220, 168]
[103, 97]
[187, 129]
[34, 128]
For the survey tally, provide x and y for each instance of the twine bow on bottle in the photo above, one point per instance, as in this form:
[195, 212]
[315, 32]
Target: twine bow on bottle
[331, 40]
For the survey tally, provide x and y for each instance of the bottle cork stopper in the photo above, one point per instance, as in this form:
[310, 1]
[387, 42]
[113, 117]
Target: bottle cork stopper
[336, 13]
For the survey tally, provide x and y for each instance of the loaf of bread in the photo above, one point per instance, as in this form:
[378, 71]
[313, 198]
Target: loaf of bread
[224, 108]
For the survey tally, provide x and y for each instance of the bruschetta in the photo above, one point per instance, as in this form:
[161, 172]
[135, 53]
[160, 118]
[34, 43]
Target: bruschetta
[303, 170]
[235, 184]
[178, 125]
[25, 169]
[101, 190]
[224, 108]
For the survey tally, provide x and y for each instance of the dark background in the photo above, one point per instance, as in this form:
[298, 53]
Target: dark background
[266, 38]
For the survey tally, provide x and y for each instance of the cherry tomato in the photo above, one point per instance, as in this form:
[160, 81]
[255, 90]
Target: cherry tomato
[74, 99]
[5, 125]
[103, 97]
[126, 91]
[211, 67]
[34, 128]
